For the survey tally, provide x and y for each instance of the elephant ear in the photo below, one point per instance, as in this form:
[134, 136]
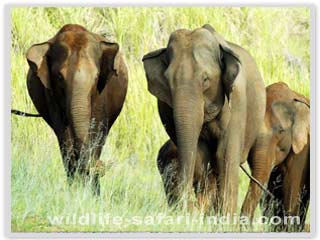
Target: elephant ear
[229, 61]
[301, 126]
[36, 57]
[230, 66]
[107, 63]
[155, 64]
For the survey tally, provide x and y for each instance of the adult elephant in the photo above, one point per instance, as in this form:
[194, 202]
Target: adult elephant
[77, 81]
[280, 157]
[207, 88]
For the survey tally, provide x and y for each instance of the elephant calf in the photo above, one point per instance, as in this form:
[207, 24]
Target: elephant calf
[78, 81]
[204, 180]
[280, 154]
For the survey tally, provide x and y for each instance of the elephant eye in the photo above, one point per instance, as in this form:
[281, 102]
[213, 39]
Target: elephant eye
[206, 82]
[60, 77]
[281, 130]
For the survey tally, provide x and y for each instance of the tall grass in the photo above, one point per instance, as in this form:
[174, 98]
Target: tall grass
[278, 38]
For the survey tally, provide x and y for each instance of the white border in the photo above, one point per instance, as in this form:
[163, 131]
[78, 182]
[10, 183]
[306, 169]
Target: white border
[6, 105]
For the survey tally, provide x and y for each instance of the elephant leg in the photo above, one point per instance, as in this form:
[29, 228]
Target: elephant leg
[304, 206]
[273, 207]
[76, 156]
[206, 177]
[305, 195]
[95, 168]
[168, 167]
[269, 206]
[295, 186]
[228, 161]
[254, 192]
[229, 154]
[167, 163]
[85, 160]
[261, 168]
[68, 156]
[95, 184]
[207, 196]
[291, 191]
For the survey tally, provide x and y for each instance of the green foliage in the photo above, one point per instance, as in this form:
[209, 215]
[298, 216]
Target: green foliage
[278, 38]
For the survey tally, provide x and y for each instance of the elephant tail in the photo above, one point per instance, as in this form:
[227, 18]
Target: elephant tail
[257, 182]
[24, 114]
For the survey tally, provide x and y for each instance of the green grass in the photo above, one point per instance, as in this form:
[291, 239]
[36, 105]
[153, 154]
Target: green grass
[278, 38]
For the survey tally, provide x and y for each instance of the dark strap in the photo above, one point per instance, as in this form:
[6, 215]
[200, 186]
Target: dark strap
[24, 114]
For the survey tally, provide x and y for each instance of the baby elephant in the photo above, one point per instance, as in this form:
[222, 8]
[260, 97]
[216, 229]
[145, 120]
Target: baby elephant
[280, 154]
[204, 180]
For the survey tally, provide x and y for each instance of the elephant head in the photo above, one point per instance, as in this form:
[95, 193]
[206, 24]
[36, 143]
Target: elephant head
[193, 75]
[290, 122]
[74, 66]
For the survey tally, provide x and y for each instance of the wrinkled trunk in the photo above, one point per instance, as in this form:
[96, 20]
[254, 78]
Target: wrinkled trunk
[80, 110]
[188, 117]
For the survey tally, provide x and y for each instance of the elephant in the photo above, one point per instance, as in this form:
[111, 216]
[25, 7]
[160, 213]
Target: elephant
[211, 89]
[77, 81]
[280, 156]
[204, 180]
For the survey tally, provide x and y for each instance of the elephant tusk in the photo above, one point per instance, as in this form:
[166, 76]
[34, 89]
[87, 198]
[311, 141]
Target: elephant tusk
[24, 114]
[257, 182]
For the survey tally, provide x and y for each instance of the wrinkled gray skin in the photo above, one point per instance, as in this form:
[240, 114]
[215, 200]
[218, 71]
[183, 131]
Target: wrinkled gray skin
[282, 145]
[77, 81]
[210, 89]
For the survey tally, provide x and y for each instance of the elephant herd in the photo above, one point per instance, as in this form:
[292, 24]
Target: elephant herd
[212, 102]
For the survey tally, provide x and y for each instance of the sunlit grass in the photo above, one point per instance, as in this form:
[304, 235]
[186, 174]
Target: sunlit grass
[278, 38]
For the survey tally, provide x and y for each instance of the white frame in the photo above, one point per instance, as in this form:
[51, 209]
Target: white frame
[7, 128]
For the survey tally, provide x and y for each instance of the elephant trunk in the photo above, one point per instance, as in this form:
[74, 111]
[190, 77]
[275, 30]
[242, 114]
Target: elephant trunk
[80, 108]
[80, 111]
[188, 118]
